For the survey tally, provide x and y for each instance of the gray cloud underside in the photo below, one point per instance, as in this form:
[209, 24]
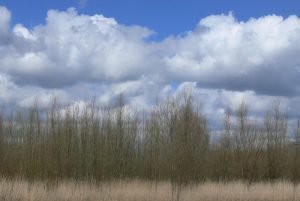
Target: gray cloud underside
[76, 57]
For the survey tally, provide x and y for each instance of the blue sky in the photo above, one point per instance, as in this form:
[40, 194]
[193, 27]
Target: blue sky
[227, 51]
[166, 17]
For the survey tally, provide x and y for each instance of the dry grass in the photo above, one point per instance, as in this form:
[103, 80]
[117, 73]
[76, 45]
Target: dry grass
[144, 191]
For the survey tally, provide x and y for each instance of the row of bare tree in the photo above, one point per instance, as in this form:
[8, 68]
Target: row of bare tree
[254, 150]
[171, 142]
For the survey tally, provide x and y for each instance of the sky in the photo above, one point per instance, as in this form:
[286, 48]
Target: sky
[167, 17]
[227, 51]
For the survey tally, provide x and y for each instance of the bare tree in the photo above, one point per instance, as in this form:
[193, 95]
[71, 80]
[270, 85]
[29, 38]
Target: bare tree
[296, 155]
[225, 149]
[276, 134]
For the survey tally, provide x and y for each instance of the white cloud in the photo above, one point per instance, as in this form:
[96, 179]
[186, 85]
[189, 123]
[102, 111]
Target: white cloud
[225, 61]
[72, 47]
[5, 16]
[225, 53]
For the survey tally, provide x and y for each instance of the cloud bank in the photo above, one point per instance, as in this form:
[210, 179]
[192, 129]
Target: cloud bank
[76, 57]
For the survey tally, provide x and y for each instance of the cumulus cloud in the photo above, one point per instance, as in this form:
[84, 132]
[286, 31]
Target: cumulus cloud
[5, 16]
[76, 57]
[258, 55]
[71, 48]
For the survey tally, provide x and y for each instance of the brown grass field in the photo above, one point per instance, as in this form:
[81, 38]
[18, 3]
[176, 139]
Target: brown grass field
[145, 191]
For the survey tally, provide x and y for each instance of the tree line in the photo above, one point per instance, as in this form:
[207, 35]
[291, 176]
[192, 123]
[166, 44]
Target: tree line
[169, 143]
